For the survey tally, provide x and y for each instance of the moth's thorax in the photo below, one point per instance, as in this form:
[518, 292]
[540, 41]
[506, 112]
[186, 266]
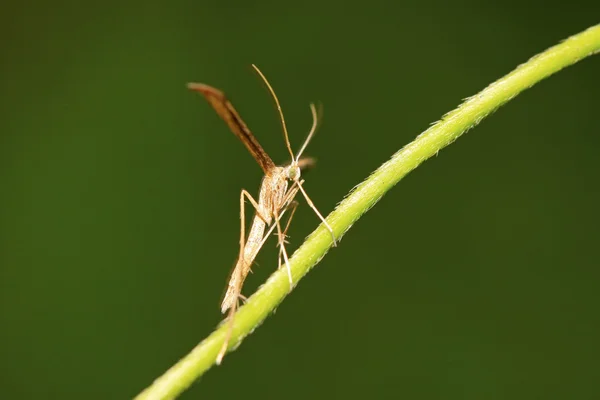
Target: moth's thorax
[273, 191]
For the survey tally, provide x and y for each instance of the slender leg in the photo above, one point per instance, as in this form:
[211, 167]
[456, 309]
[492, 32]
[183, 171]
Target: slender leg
[294, 205]
[282, 247]
[254, 204]
[312, 205]
[288, 201]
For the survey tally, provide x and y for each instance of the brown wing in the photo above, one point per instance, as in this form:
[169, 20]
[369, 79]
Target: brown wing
[226, 111]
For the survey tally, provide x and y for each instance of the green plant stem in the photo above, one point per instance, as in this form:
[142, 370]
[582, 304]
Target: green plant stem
[364, 196]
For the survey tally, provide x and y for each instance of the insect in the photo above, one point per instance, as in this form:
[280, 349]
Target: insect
[279, 187]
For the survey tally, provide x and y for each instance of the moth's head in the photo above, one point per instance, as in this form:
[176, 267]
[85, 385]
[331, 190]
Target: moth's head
[293, 172]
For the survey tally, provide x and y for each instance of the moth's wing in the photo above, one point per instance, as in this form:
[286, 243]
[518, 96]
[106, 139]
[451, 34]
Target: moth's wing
[226, 111]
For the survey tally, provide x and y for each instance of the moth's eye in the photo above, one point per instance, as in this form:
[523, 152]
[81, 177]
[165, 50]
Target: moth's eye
[293, 173]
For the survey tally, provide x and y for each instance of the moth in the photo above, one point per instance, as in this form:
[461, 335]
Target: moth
[278, 190]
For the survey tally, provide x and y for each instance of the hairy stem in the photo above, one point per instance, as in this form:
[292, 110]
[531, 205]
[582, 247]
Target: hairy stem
[180, 376]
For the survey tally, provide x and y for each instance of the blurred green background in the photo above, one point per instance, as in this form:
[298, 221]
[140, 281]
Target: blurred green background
[475, 278]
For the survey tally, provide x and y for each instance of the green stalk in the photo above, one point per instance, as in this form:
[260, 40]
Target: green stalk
[180, 376]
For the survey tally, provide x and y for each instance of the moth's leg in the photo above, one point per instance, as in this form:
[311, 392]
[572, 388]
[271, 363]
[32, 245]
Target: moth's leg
[312, 205]
[293, 205]
[282, 247]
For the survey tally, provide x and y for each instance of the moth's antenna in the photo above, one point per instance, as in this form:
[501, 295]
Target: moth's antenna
[285, 133]
[313, 129]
